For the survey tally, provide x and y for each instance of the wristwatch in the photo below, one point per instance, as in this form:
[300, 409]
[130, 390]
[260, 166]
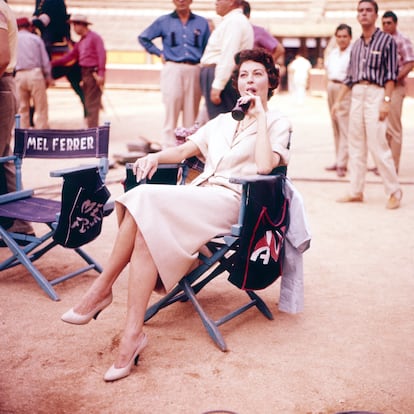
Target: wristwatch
[387, 99]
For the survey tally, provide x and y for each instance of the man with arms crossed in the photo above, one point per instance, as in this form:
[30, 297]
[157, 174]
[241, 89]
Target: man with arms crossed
[405, 65]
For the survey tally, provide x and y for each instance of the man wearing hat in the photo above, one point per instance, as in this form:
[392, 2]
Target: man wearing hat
[33, 75]
[90, 53]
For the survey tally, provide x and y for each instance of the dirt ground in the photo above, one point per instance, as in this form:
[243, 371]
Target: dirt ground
[351, 349]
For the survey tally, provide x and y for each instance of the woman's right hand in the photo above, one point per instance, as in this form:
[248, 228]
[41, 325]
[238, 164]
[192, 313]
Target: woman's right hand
[145, 166]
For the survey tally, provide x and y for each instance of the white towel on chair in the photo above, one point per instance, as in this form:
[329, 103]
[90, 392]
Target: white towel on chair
[297, 242]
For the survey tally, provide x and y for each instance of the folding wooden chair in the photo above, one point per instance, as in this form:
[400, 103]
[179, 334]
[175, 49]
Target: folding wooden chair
[219, 257]
[72, 221]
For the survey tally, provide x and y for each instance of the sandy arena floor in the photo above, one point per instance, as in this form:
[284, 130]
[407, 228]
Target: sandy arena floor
[351, 349]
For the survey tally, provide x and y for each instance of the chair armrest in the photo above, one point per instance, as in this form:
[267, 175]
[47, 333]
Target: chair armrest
[109, 207]
[252, 179]
[246, 182]
[15, 195]
[63, 172]
[165, 174]
[129, 165]
[8, 158]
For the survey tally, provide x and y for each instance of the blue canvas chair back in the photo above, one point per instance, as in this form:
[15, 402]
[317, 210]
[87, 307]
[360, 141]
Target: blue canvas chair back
[61, 143]
[24, 204]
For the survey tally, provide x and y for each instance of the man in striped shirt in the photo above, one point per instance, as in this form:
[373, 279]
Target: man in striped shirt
[371, 75]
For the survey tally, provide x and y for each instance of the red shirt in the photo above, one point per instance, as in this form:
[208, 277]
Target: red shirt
[89, 52]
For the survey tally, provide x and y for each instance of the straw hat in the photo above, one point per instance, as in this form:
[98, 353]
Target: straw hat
[79, 18]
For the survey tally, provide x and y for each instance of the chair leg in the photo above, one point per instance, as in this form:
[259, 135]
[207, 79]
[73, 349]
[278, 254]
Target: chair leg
[26, 258]
[259, 303]
[188, 288]
[91, 263]
[171, 297]
[208, 323]
[88, 259]
[22, 258]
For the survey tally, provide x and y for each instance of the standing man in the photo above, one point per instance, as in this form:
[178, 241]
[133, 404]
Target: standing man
[371, 75]
[233, 34]
[184, 37]
[32, 75]
[405, 65]
[263, 39]
[8, 108]
[336, 65]
[90, 53]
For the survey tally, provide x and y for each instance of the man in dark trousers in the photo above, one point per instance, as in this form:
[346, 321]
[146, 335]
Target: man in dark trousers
[233, 34]
[90, 53]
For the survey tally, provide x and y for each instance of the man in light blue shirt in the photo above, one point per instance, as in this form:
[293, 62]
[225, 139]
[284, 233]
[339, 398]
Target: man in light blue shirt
[184, 37]
[33, 75]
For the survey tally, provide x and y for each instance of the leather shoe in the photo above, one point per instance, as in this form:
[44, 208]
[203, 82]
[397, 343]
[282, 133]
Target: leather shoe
[341, 171]
[114, 373]
[77, 319]
[19, 242]
[359, 198]
[394, 201]
[331, 168]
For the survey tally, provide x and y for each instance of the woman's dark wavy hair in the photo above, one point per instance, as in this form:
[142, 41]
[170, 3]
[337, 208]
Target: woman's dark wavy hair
[261, 56]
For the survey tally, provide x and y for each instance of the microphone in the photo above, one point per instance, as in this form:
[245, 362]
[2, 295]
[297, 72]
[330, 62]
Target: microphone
[239, 111]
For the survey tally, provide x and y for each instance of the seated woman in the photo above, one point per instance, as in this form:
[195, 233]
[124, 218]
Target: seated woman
[156, 238]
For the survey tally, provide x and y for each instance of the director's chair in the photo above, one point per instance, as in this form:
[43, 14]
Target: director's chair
[221, 255]
[72, 221]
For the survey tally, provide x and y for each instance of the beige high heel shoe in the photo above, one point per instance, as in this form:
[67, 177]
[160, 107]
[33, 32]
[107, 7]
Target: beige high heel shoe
[114, 374]
[77, 319]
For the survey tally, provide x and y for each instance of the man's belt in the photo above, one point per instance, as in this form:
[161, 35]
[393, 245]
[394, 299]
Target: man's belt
[185, 62]
[208, 65]
[28, 69]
